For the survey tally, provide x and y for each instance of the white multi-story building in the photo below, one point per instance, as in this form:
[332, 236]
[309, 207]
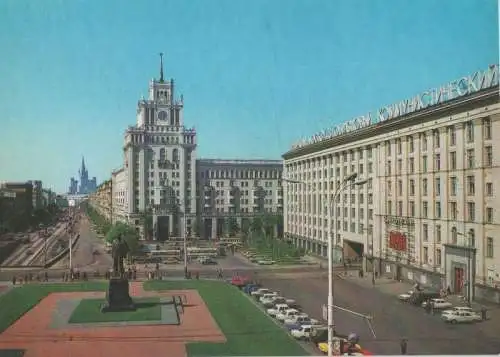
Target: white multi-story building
[160, 158]
[429, 210]
[119, 205]
[239, 189]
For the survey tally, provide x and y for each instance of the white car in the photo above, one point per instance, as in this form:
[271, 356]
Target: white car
[456, 309]
[405, 296]
[302, 333]
[267, 297]
[278, 300]
[461, 317]
[287, 314]
[439, 304]
[301, 319]
[279, 308]
[260, 292]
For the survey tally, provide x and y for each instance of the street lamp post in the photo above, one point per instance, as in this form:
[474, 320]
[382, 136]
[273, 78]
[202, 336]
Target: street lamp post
[346, 183]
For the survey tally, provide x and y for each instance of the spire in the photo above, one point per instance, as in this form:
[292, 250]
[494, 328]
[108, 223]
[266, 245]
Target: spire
[83, 165]
[161, 67]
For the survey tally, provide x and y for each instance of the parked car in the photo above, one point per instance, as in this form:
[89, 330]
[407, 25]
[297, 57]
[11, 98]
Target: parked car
[208, 261]
[461, 317]
[456, 309]
[438, 304]
[267, 296]
[405, 296]
[300, 319]
[251, 287]
[302, 333]
[282, 316]
[278, 300]
[259, 292]
[279, 308]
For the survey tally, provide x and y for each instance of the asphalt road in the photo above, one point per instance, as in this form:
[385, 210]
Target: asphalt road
[393, 320]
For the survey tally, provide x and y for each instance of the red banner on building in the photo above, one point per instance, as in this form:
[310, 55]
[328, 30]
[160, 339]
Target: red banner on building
[397, 241]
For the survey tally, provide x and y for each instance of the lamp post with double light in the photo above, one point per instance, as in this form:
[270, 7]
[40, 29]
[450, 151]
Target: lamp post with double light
[348, 182]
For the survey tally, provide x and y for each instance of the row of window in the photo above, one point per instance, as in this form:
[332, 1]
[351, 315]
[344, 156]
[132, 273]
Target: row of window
[470, 212]
[241, 174]
[450, 131]
[454, 185]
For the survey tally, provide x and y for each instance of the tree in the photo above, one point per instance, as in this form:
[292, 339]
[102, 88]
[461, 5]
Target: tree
[268, 223]
[231, 227]
[146, 218]
[128, 233]
[195, 227]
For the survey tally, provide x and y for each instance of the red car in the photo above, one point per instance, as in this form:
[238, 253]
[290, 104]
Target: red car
[239, 281]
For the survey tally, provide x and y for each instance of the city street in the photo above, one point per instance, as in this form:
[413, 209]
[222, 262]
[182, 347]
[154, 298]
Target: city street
[393, 320]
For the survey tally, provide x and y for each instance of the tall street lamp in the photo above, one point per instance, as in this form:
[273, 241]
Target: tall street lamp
[348, 182]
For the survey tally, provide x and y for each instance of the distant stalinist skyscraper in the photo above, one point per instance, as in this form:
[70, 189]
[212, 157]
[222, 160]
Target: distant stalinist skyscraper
[86, 185]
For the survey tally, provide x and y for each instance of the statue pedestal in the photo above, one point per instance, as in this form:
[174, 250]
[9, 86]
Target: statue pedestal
[118, 297]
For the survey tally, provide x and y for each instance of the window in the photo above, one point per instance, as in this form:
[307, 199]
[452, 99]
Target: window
[454, 235]
[437, 162]
[453, 135]
[424, 142]
[388, 168]
[425, 209]
[489, 247]
[437, 214]
[400, 166]
[400, 187]
[469, 131]
[487, 128]
[453, 210]
[411, 165]
[389, 188]
[470, 158]
[400, 146]
[437, 186]
[470, 185]
[424, 187]
[426, 255]
[412, 209]
[389, 208]
[411, 146]
[453, 160]
[436, 139]
[400, 208]
[471, 211]
[412, 187]
[424, 163]
[453, 186]
[438, 233]
[489, 189]
[488, 156]
[438, 257]
[388, 148]
[489, 215]
[425, 232]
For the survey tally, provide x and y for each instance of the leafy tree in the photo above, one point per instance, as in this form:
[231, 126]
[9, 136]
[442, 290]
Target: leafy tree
[128, 233]
[268, 223]
[195, 227]
[146, 218]
[231, 227]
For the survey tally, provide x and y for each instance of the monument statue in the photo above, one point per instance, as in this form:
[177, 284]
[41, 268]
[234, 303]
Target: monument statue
[118, 296]
[119, 251]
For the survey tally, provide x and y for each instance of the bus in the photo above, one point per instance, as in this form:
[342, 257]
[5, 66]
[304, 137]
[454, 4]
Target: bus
[197, 252]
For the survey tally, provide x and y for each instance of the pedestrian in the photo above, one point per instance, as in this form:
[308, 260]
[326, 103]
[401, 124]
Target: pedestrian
[404, 346]
[14, 280]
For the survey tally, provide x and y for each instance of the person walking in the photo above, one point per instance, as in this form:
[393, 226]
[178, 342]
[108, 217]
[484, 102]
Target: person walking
[404, 346]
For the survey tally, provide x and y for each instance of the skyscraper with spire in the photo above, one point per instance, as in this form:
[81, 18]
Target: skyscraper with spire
[86, 186]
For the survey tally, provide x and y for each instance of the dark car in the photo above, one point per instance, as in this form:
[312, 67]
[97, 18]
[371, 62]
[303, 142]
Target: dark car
[419, 297]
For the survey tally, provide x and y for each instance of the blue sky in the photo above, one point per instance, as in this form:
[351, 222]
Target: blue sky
[256, 75]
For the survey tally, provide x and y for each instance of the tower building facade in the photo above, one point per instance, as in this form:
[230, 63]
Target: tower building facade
[160, 162]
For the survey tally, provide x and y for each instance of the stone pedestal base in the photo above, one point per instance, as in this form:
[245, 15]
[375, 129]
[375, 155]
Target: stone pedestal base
[118, 296]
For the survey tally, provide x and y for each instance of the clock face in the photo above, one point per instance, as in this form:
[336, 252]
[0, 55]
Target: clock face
[162, 115]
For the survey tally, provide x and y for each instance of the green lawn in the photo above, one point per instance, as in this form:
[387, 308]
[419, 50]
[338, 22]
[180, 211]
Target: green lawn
[248, 330]
[20, 300]
[89, 311]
